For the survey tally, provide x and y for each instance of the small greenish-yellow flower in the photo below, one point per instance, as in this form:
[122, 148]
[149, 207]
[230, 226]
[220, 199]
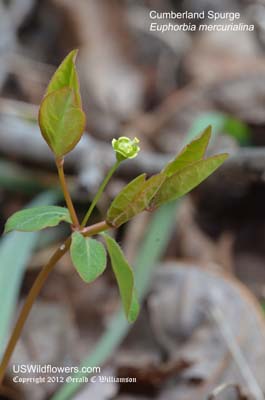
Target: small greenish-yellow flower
[125, 147]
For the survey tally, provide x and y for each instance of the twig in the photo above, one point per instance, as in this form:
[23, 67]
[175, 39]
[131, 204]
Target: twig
[225, 386]
[247, 374]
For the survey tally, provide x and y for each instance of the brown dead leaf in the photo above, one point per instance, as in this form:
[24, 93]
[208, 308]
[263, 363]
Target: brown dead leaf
[184, 330]
[150, 377]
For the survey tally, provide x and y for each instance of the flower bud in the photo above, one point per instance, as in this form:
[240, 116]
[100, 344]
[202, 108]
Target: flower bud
[125, 147]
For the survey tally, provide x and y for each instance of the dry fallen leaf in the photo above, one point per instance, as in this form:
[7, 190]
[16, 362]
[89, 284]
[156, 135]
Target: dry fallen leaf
[179, 303]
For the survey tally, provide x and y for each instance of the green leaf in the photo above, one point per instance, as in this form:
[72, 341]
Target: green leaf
[133, 199]
[36, 218]
[61, 121]
[194, 151]
[186, 179]
[66, 75]
[124, 276]
[88, 256]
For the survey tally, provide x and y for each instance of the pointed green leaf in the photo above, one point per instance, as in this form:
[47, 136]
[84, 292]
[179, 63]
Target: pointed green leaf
[135, 308]
[88, 256]
[125, 279]
[61, 121]
[133, 199]
[66, 75]
[194, 151]
[186, 179]
[36, 218]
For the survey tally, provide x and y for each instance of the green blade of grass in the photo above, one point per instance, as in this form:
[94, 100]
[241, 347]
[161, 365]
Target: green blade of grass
[15, 251]
[155, 242]
[215, 119]
[221, 123]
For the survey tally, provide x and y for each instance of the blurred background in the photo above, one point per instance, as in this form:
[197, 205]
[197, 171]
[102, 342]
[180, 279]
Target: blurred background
[200, 262]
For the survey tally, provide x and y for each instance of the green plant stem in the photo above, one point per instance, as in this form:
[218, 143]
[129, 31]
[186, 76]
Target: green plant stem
[68, 199]
[96, 228]
[35, 290]
[99, 193]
